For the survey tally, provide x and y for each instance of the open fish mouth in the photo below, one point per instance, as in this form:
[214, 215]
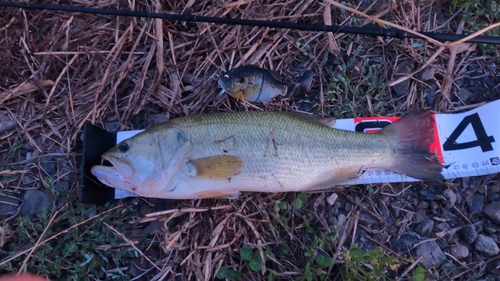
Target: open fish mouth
[107, 174]
[221, 84]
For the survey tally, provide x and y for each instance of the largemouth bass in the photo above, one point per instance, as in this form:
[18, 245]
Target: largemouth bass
[255, 84]
[222, 154]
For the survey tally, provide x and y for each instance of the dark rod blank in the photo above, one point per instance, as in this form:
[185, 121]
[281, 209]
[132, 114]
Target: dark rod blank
[274, 24]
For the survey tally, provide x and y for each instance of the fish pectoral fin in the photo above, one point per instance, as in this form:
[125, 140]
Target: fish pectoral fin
[218, 194]
[337, 178]
[217, 167]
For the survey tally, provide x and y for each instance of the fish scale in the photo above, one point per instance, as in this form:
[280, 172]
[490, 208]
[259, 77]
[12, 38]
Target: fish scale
[223, 154]
[307, 152]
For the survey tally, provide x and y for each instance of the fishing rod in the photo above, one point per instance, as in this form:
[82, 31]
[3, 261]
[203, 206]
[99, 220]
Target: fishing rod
[261, 23]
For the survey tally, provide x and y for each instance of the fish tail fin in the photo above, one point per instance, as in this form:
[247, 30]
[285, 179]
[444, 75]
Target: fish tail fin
[411, 137]
[303, 85]
[305, 82]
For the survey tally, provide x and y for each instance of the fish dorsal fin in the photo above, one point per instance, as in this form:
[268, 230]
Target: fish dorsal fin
[275, 74]
[217, 167]
[325, 121]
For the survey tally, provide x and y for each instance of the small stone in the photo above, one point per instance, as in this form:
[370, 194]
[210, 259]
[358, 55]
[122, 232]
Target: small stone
[493, 196]
[332, 198]
[156, 119]
[34, 202]
[424, 228]
[48, 165]
[476, 203]
[422, 205]
[369, 219]
[450, 196]
[428, 74]
[487, 81]
[431, 253]
[468, 234]
[6, 123]
[490, 230]
[486, 246]
[332, 221]
[434, 205]
[420, 216]
[459, 252]
[430, 195]
[403, 244]
[403, 87]
[430, 94]
[27, 179]
[392, 229]
[442, 226]
[348, 207]
[465, 182]
[492, 211]
[336, 206]
[341, 223]
[464, 94]
[61, 186]
[447, 268]
[495, 187]
[113, 126]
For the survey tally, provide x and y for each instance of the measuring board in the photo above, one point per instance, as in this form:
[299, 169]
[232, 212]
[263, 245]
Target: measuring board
[468, 144]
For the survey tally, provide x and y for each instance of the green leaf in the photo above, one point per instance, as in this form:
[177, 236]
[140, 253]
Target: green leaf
[222, 273]
[285, 248]
[277, 206]
[309, 229]
[356, 254]
[246, 253]
[324, 261]
[266, 254]
[320, 259]
[255, 264]
[419, 274]
[302, 197]
[332, 234]
[320, 272]
[282, 205]
[233, 275]
[297, 203]
[308, 273]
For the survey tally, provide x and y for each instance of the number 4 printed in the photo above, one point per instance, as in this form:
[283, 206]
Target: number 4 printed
[482, 138]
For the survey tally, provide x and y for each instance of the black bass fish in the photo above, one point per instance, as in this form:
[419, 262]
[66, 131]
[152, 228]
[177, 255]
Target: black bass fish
[223, 154]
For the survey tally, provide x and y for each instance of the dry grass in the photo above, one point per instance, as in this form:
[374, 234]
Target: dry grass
[60, 70]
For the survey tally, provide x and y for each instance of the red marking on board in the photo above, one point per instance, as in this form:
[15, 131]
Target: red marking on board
[435, 147]
[374, 119]
[363, 119]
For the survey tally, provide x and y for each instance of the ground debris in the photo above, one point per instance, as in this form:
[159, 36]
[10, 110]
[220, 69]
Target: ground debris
[60, 70]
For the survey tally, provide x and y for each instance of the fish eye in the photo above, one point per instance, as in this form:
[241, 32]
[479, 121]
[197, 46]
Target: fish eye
[226, 76]
[123, 147]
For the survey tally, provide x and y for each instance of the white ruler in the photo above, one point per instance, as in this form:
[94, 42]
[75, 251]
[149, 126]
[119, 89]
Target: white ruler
[468, 142]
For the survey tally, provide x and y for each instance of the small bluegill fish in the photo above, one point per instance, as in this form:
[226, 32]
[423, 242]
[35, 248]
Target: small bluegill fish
[254, 84]
[223, 154]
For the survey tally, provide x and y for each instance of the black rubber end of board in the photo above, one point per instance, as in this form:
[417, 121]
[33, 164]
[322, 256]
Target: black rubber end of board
[96, 141]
